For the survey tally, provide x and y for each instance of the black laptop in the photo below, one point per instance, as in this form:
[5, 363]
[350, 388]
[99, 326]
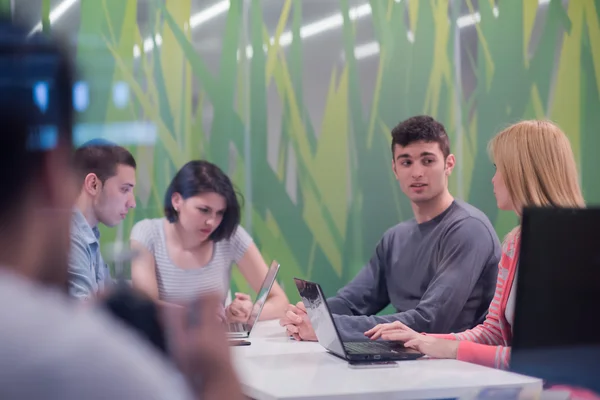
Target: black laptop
[556, 328]
[329, 337]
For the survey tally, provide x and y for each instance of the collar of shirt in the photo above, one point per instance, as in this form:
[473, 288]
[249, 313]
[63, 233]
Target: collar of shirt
[83, 228]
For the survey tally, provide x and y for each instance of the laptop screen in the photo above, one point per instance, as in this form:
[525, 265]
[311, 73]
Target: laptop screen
[320, 316]
[556, 335]
[262, 295]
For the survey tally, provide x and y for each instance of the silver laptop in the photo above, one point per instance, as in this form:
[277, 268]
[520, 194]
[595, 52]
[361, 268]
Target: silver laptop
[329, 337]
[238, 330]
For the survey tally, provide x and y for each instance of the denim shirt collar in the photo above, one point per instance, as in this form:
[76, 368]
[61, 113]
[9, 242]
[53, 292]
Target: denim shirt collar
[91, 235]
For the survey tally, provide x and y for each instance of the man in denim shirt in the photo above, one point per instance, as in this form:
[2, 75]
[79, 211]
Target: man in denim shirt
[107, 176]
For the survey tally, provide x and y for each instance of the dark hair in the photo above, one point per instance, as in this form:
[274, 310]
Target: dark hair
[101, 158]
[31, 130]
[421, 128]
[198, 177]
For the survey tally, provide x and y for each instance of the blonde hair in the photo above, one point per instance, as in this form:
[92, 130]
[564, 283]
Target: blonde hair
[537, 165]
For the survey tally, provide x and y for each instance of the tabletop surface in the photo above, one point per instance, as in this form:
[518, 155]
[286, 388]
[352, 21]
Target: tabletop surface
[276, 367]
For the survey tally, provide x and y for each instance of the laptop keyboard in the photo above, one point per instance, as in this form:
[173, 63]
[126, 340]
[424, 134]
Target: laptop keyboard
[368, 348]
[236, 327]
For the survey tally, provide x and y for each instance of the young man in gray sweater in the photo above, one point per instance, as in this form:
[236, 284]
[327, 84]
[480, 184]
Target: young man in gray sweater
[438, 269]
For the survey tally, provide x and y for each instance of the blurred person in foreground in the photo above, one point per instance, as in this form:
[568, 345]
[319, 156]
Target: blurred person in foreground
[51, 348]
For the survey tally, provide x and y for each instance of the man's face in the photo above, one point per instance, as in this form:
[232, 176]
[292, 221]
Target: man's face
[422, 170]
[116, 197]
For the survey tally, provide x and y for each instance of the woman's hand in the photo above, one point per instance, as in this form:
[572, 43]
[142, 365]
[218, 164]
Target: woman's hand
[428, 345]
[240, 308]
[431, 346]
[398, 329]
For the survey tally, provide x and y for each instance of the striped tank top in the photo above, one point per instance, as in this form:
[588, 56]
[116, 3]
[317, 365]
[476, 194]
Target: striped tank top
[176, 284]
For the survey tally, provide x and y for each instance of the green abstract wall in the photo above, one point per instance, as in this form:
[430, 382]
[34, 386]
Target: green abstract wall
[319, 191]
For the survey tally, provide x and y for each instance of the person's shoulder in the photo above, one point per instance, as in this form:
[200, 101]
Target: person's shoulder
[141, 370]
[240, 235]
[465, 211]
[146, 227]
[148, 223]
[240, 230]
[120, 364]
[471, 224]
[81, 233]
[399, 230]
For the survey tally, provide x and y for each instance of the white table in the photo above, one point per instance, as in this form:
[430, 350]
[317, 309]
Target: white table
[276, 367]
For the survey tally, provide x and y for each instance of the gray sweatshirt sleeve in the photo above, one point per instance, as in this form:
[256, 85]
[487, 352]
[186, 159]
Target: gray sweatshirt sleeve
[467, 247]
[367, 293]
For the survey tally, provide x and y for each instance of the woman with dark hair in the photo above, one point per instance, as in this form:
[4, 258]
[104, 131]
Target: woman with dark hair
[192, 250]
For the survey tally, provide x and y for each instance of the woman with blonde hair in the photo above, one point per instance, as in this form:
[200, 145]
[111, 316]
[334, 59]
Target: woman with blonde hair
[535, 166]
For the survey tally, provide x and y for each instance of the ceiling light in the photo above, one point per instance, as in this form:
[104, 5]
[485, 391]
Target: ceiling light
[468, 20]
[372, 48]
[472, 19]
[209, 13]
[366, 50]
[323, 25]
[55, 14]
[196, 20]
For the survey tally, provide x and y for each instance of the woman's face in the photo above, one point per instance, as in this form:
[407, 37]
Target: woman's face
[502, 196]
[201, 214]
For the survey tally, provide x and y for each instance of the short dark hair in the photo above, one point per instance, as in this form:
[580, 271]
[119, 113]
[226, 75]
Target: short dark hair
[421, 128]
[31, 130]
[197, 177]
[102, 159]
